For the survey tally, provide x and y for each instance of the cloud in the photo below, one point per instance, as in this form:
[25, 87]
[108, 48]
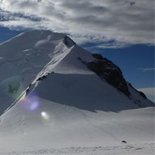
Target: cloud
[112, 44]
[150, 93]
[124, 21]
[147, 69]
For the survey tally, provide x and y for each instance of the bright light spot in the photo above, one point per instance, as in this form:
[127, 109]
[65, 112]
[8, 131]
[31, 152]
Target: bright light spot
[44, 115]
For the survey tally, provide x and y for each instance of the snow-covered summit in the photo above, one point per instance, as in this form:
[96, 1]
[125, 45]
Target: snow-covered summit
[34, 54]
[57, 92]
[23, 57]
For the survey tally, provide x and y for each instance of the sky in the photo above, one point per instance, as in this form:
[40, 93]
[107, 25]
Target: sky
[121, 30]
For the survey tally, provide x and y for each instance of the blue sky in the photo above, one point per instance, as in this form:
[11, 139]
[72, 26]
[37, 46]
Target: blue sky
[6, 33]
[136, 61]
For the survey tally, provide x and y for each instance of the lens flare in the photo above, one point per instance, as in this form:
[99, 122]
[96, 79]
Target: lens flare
[30, 102]
[34, 105]
[44, 115]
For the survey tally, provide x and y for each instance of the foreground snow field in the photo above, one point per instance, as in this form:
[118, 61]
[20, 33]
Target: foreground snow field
[68, 130]
[51, 103]
[132, 149]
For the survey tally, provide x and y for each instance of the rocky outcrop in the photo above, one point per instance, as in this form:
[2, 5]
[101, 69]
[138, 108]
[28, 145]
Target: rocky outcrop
[68, 42]
[105, 69]
[140, 92]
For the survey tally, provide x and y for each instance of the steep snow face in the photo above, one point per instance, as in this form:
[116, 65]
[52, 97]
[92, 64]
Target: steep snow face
[22, 57]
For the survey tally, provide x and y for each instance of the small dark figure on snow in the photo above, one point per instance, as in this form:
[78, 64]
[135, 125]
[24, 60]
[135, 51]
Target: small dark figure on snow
[123, 141]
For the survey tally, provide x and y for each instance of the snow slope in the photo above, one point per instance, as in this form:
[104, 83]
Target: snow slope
[65, 108]
[21, 59]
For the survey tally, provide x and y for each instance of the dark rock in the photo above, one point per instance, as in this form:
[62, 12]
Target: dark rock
[27, 91]
[142, 94]
[41, 78]
[105, 69]
[97, 56]
[68, 42]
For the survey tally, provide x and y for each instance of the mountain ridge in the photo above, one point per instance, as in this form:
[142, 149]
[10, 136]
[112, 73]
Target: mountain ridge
[56, 97]
[62, 47]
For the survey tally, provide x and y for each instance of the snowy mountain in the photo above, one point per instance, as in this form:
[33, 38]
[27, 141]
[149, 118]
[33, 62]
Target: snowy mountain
[57, 98]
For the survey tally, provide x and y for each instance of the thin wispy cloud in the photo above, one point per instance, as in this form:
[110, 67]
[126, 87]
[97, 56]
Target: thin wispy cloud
[147, 69]
[124, 21]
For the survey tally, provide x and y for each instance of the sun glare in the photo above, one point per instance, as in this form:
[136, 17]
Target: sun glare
[44, 115]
